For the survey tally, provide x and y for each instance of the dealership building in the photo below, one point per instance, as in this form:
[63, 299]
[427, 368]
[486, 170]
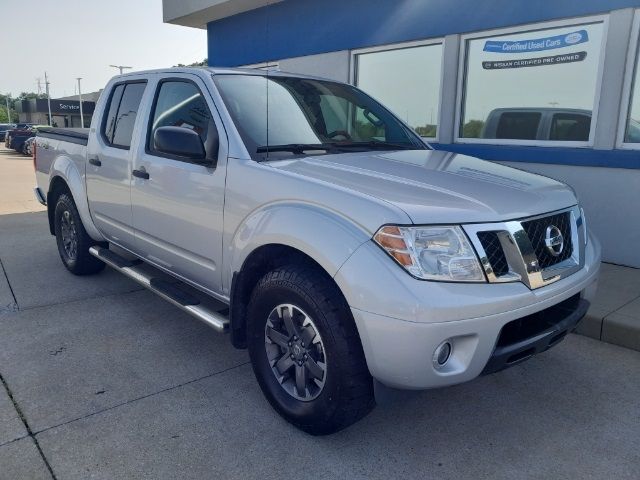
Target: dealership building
[65, 112]
[543, 86]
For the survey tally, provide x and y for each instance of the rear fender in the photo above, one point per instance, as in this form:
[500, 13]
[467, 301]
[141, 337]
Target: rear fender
[67, 170]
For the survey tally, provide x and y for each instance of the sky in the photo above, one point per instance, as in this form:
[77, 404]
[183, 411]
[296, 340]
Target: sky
[81, 38]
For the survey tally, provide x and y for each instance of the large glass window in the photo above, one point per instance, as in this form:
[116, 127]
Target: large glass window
[532, 86]
[407, 81]
[632, 128]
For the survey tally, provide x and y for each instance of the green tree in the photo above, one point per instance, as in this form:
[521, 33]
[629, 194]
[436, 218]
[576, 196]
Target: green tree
[472, 129]
[3, 110]
[12, 100]
[427, 130]
[203, 63]
[30, 95]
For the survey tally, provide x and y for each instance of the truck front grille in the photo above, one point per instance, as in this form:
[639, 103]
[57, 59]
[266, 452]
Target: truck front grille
[518, 251]
[536, 230]
[495, 255]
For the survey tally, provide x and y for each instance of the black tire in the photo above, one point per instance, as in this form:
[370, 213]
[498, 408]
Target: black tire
[347, 392]
[78, 260]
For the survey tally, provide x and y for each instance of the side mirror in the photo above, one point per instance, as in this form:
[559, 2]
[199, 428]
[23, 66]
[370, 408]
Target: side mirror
[179, 141]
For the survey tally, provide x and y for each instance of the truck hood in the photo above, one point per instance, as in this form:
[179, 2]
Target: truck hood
[437, 187]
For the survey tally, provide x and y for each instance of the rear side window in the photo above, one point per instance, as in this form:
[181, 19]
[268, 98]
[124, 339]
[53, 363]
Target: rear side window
[110, 119]
[181, 104]
[121, 117]
[570, 127]
[518, 125]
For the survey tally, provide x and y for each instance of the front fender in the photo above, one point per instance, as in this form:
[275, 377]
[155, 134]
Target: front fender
[68, 170]
[323, 235]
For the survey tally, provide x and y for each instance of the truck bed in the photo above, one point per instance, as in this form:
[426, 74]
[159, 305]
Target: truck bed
[72, 135]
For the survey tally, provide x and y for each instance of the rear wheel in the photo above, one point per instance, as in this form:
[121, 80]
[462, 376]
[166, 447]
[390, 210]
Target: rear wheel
[73, 240]
[306, 352]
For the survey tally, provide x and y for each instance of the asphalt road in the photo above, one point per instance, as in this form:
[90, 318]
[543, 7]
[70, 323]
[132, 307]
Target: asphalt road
[103, 380]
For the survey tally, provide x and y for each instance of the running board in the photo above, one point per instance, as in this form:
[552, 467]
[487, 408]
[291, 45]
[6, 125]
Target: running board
[169, 291]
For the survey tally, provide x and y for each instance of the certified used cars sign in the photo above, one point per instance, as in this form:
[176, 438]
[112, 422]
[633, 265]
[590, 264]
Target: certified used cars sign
[537, 44]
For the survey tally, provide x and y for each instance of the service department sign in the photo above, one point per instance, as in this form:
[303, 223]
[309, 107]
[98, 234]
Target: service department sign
[68, 106]
[64, 106]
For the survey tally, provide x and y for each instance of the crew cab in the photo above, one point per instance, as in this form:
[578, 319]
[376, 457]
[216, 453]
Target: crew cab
[320, 231]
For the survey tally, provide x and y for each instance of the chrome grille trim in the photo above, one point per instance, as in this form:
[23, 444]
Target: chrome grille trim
[520, 253]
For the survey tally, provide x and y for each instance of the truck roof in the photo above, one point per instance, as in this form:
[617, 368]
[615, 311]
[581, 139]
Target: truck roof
[219, 71]
[541, 110]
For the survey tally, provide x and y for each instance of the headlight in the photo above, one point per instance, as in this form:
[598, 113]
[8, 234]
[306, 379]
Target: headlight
[432, 253]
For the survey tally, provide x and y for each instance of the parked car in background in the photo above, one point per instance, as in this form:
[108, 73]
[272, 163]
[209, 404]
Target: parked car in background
[17, 129]
[318, 229]
[561, 124]
[4, 128]
[18, 136]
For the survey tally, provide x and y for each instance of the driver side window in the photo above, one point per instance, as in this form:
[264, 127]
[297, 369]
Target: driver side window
[181, 104]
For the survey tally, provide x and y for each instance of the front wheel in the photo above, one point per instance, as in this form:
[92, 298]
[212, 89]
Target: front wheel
[73, 240]
[306, 352]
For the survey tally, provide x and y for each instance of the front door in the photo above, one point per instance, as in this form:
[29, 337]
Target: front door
[109, 164]
[177, 210]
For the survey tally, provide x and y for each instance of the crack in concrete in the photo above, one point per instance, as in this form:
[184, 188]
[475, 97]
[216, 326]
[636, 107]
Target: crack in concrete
[11, 307]
[27, 427]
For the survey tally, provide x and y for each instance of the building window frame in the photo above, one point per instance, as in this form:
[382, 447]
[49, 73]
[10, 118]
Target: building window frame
[353, 70]
[631, 77]
[521, 29]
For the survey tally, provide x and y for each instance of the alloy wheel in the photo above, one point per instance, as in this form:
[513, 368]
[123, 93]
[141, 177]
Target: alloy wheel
[295, 352]
[69, 235]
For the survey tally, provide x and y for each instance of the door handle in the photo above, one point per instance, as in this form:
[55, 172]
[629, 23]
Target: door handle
[95, 161]
[142, 173]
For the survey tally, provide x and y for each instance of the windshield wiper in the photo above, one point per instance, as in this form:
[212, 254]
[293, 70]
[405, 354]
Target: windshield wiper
[294, 147]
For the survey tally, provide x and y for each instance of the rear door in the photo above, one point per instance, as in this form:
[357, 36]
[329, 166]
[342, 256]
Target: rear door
[177, 210]
[109, 155]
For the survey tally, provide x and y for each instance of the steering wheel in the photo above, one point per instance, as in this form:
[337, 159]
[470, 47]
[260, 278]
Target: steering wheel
[338, 133]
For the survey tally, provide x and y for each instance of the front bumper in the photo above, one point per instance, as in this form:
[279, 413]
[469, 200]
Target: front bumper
[401, 321]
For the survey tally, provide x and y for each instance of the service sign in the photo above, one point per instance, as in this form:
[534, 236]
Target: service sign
[538, 44]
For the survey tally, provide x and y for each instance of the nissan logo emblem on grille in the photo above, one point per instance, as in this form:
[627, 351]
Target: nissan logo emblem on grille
[554, 240]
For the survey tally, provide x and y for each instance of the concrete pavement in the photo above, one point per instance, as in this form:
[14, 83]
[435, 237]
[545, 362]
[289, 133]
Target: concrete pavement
[16, 173]
[103, 380]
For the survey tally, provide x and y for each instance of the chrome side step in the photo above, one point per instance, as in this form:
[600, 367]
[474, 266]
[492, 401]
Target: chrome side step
[169, 291]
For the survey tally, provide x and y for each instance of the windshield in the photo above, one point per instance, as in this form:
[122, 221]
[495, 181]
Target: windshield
[278, 116]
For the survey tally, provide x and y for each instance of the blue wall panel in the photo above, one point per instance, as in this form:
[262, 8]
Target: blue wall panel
[551, 155]
[295, 28]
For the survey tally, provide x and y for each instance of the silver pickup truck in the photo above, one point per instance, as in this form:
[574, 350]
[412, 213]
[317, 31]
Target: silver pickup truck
[316, 228]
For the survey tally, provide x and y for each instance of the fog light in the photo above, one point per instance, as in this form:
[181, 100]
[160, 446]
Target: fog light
[441, 354]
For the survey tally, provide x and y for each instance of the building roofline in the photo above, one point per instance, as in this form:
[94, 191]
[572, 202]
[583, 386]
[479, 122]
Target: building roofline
[197, 13]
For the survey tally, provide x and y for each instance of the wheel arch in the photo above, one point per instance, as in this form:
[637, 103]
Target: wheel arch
[261, 261]
[285, 233]
[66, 177]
